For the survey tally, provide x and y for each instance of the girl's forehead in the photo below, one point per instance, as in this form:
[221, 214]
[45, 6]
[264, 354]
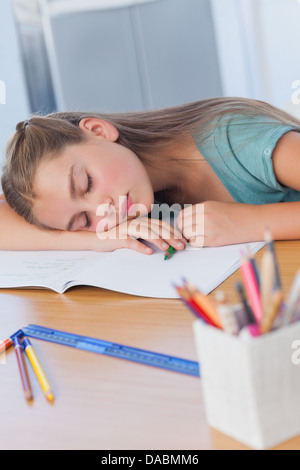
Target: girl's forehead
[49, 175]
[78, 151]
[61, 159]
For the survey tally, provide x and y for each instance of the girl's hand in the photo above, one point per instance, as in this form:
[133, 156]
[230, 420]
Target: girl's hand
[126, 235]
[218, 223]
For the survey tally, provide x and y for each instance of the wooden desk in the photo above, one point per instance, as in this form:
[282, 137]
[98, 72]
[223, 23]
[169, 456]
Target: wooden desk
[102, 402]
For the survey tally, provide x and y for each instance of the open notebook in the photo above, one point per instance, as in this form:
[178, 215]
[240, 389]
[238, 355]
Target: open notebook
[123, 270]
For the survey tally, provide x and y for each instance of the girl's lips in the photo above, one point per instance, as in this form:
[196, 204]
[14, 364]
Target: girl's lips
[123, 210]
[129, 203]
[126, 206]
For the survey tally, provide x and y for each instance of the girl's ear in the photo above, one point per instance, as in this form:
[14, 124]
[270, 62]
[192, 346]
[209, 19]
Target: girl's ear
[98, 127]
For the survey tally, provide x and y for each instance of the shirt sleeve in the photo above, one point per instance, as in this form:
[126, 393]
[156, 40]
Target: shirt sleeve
[240, 152]
[268, 146]
[252, 140]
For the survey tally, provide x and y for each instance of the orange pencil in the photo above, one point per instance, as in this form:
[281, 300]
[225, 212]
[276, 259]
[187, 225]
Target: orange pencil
[5, 345]
[199, 312]
[205, 303]
[271, 312]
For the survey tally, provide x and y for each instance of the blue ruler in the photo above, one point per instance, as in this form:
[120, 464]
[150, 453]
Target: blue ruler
[120, 351]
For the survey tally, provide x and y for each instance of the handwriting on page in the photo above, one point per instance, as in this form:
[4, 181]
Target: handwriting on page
[41, 267]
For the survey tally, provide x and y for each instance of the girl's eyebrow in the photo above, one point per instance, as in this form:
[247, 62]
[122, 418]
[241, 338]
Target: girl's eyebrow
[72, 190]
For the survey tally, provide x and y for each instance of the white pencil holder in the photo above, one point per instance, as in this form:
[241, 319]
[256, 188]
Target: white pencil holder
[251, 387]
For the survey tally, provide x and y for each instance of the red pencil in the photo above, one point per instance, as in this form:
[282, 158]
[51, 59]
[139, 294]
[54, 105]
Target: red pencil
[205, 304]
[22, 368]
[187, 297]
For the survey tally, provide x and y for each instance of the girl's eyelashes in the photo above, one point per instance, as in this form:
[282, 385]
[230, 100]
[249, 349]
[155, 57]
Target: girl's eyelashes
[88, 222]
[89, 183]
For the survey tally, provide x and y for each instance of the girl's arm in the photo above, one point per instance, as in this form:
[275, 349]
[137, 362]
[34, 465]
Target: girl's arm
[17, 234]
[220, 223]
[214, 223]
[285, 217]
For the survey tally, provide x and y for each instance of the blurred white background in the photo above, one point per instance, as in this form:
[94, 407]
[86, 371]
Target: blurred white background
[122, 55]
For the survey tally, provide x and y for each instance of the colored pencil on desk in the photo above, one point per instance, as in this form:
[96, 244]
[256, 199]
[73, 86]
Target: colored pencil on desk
[39, 371]
[5, 345]
[22, 368]
[251, 287]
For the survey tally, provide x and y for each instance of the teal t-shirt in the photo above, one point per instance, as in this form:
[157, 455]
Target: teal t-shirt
[239, 150]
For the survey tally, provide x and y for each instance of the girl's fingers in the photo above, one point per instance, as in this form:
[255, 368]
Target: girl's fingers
[165, 230]
[137, 246]
[168, 233]
[191, 221]
[197, 242]
[191, 233]
[160, 235]
[144, 232]
[113, 243]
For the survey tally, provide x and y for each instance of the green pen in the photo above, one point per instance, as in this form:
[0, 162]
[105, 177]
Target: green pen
[169, 253]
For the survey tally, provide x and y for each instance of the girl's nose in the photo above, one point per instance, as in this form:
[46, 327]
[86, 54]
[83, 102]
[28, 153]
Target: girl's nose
[100, 207]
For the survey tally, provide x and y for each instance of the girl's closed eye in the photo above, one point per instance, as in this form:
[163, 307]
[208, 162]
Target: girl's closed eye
[89, 183]
[88, 222]
[88, 189]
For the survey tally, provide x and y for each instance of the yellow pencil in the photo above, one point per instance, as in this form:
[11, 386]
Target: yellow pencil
[40, 374]
[272, 311]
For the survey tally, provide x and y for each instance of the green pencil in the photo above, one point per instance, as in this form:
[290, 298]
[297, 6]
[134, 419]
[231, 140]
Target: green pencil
[169, 253]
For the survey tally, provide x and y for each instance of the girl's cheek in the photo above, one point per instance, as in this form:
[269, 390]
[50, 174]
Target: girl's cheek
[105, 223]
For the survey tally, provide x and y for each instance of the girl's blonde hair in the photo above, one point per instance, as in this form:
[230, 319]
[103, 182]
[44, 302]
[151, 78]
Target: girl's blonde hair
[144, 132]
